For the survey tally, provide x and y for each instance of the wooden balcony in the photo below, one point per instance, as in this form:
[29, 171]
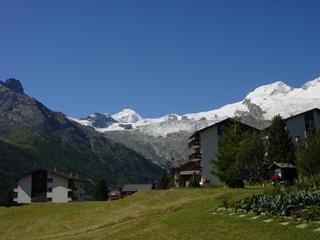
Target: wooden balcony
[195, 156]
[195, 143]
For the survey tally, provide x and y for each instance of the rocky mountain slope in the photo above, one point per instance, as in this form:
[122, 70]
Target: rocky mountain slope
[152, 137]
[51, 140]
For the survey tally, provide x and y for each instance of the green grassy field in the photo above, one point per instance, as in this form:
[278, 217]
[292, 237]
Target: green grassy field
[172, 214]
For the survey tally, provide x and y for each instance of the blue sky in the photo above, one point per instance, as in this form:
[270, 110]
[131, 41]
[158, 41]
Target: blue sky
[156, 57]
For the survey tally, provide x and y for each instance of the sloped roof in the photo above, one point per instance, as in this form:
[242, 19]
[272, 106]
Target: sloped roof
[283, 165]
[136, 187]
[257, 127]
[61, 174]
[223, 122]
[310, 110]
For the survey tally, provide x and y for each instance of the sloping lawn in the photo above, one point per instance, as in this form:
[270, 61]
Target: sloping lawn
[172, 214]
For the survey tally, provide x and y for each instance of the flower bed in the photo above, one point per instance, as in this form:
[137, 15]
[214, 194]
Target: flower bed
[284, 204]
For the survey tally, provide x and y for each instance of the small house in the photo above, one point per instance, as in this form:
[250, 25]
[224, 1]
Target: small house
[129, 189]
[114, 192]
[283, 173]
[44, 185]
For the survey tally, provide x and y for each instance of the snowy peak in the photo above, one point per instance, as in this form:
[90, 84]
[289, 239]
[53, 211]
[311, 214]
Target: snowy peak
[275, 89]
[261, 104]
[312, 84]
[127, 115]
[97, 120]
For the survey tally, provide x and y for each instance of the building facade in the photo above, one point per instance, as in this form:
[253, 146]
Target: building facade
[48, 186]
[204, 144]
[186, 174]
[299, 125]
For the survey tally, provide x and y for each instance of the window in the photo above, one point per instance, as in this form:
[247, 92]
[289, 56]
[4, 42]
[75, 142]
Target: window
[49, 199]
[49, 189]
[49, 180]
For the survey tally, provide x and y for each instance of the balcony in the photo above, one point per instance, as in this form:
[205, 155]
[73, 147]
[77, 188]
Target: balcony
[195, 143]
[190, 172]
[195, 157]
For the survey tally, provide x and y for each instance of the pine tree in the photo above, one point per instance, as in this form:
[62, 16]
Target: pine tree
[309, 155]
[164, 180]
[252, 162]
[280, 148]
[225, 165]
[100, 191]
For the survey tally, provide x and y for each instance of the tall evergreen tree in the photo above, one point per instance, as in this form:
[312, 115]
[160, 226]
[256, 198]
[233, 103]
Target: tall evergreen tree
[309, 155]
[280, 147]
[164, 180]
[100, 191]
[252, 161]
[225, 165]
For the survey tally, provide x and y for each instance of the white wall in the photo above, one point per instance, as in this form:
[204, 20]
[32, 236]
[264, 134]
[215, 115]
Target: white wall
[59, 189]
[209, 147]
[24, 190]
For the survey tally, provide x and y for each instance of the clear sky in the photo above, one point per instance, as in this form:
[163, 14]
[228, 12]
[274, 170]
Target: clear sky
[156, 57]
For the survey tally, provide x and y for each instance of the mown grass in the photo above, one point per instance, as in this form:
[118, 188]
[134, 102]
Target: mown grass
[173, 214]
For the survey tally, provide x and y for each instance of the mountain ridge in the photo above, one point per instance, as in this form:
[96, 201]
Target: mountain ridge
[48, 139]
[164, 139]
[266, 101]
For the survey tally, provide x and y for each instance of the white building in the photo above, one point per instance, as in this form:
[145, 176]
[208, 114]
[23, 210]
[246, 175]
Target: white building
[44, 185]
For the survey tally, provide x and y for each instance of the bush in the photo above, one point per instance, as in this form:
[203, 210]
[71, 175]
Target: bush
[6, 199]
[309, 154]
[284, 204]
[311, 214]
[100, 191]
[226, 201]
[237, 183]
[195, 181]
[308, 183]
[273, 190]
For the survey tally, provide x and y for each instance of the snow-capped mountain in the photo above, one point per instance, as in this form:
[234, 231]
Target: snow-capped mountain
[263, 104]
[96, 120]
[127, 116]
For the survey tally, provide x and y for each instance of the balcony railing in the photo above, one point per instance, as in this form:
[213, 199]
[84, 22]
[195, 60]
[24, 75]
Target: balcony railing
[195, 156]
[194, 143]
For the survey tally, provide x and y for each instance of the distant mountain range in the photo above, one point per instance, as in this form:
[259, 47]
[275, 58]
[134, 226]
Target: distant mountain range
[164, 139]
[263, 103]
[33, 136]
[122, 147]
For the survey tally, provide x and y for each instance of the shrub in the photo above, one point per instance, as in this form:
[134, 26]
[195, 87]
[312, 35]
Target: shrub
[311, 214]
[226, 201]
[284, 204]
[308, 183]
[309, 155]
[100, 191]
[6, 199]
[273, 190]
